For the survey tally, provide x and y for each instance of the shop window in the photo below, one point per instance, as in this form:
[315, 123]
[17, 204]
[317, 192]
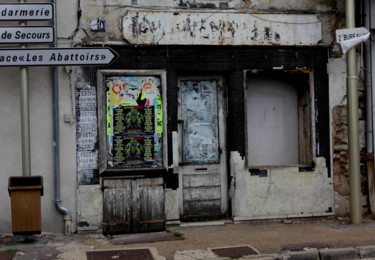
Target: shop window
[131, 120]
[279, 125]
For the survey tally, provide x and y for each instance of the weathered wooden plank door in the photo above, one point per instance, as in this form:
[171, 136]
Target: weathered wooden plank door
[133, 205]
[203, 166]
[117, 208]
[148, 205]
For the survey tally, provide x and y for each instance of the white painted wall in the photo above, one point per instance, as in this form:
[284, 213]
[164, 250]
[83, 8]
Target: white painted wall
[283, 193]
[272, 122]
[40, 87]
[41, 131]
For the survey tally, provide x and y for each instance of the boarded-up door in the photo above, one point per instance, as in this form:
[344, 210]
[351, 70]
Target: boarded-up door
[133, 205]
[202, 147]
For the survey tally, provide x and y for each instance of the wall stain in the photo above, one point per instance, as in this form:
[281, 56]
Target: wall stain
[193, 4]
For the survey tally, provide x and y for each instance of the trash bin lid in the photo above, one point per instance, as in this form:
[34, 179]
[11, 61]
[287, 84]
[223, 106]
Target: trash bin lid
[25, 183]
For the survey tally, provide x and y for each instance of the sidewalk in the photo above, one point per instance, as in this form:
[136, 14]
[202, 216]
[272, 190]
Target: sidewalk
[323, 238]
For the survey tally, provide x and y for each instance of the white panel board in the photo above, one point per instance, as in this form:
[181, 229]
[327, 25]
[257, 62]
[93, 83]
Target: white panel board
[284, 192]
[186, 28]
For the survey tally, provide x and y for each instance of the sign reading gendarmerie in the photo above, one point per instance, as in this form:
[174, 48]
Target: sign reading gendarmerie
[56, 56]
[26, 12]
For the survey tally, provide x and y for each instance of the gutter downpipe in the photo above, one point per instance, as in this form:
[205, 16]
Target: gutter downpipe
[56, 142]
[371, 109]
[352, 93]
[25, 116]
[366, 14]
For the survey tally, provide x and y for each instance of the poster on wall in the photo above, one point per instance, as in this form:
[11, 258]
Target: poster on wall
[134, 121]
[86, 134]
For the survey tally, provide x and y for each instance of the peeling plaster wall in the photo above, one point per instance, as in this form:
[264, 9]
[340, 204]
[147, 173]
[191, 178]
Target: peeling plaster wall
[90, 208]
[112, 12]
[282, 193]
[339, 125]
[310, 193]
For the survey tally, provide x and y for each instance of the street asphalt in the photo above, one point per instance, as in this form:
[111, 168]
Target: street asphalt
[326, 238]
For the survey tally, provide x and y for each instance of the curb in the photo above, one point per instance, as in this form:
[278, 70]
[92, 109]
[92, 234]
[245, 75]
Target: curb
[348, 253]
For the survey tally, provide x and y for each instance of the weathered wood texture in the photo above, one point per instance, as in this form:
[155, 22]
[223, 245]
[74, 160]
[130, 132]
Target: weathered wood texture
[202, 195]
[133, 205]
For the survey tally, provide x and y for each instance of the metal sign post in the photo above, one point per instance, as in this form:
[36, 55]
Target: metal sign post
[25, 116]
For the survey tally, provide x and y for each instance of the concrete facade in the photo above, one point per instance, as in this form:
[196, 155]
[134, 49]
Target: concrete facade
[319, 189]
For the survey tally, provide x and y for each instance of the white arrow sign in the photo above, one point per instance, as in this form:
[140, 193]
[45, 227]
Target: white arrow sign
[23, 11]
[27, 34]
[348, 38]
[56, 56]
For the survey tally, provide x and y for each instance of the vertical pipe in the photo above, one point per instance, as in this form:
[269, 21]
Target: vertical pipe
[352, 93]
[371, 177]
[366, 14]
[56, 139]
[25, 117]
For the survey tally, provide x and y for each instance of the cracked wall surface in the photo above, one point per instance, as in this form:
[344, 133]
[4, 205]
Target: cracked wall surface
[283, 193]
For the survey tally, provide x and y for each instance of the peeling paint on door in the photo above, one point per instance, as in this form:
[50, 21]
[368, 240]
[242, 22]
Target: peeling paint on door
[203, 167]
[209, 28]
[199, 110]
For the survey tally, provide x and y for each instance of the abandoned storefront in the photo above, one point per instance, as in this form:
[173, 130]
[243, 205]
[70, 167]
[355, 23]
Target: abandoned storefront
[180, 128]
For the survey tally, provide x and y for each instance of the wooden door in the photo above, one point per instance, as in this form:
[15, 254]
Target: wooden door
[133, 205]
[203, 167]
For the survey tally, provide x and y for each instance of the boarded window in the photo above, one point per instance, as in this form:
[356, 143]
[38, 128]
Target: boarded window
[278, 119]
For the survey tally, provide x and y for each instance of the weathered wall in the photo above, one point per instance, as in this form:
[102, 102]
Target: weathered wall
[41, 142]
[41, 130]
[74, 28]
[112, 12]
[339, 122]
[282, 192]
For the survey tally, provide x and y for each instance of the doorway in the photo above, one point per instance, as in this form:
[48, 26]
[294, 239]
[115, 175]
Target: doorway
[202, 147]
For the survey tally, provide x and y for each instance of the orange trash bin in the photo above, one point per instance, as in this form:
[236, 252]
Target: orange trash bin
[25, 193]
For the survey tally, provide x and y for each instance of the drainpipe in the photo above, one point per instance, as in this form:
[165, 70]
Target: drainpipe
[25, 116]
[366, 14]
[56, 143]
[352, 93]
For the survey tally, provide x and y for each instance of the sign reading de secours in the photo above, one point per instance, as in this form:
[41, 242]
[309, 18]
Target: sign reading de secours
[29, 34]
[56, 56]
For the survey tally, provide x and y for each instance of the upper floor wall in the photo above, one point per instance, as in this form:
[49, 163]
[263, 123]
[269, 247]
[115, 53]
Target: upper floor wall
[264, 5]
[111, 14]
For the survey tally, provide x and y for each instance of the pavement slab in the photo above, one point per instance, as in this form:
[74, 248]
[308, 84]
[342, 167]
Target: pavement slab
[273, 239]
[6, 255]
[144, 238]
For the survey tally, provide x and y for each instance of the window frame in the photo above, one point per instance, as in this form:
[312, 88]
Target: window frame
[102, 120]
[309, 152]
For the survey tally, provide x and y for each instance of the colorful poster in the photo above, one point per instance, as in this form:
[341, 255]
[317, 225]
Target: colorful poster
[133, 91]
[134, 121]
[130, 150]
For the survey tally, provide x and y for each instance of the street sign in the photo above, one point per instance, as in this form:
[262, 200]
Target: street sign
[56, 57]
[350, 37]
[26, 12]
[27, 34]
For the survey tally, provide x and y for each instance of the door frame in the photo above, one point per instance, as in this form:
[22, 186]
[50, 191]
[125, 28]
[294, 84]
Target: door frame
[223, 159]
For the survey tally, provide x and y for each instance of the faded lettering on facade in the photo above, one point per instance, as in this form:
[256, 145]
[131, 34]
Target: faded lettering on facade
[220, 28]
